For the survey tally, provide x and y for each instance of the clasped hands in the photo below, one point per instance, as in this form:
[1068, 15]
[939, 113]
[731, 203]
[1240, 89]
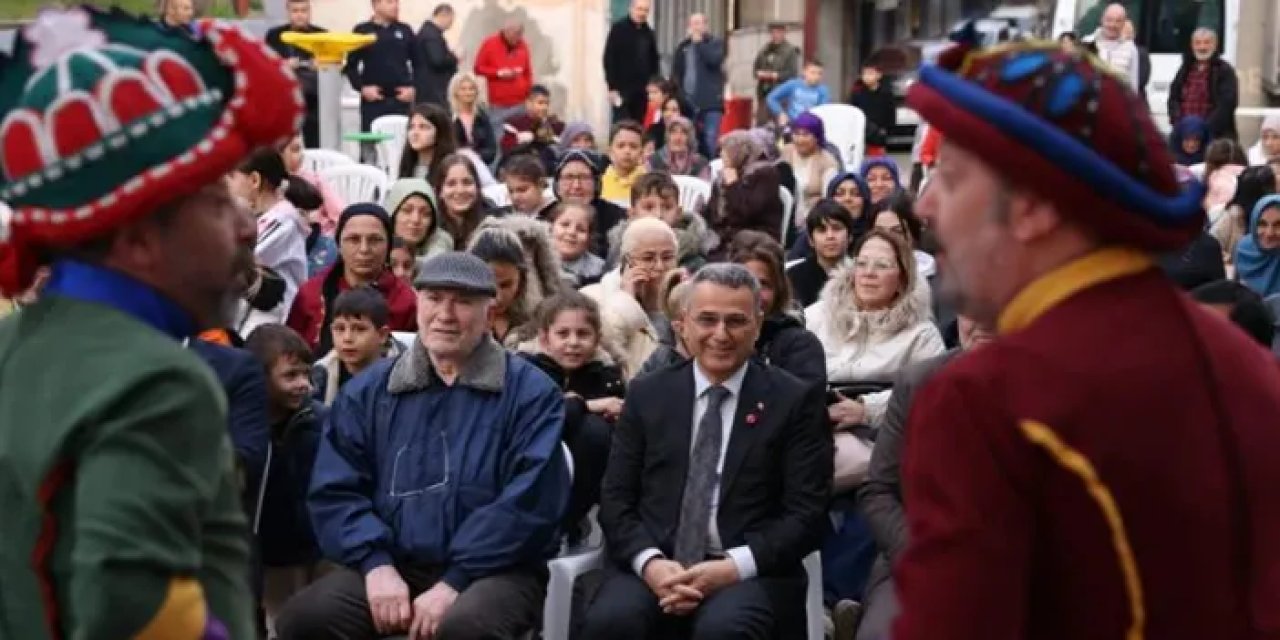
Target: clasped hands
[681, 590]
[393, 612]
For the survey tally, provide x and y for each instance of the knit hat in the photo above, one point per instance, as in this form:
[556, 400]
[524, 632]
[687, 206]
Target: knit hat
[575, 129]
[363, 209]
[457, 271]
[577, 155]
[1062, 125]
[105, 117]
[813, 124]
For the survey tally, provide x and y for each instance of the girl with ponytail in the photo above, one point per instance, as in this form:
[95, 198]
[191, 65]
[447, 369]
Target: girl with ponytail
[278, 200]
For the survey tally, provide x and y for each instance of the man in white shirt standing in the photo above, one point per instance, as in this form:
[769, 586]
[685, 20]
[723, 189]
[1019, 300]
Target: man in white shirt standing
[716, 487]
[1113, 48]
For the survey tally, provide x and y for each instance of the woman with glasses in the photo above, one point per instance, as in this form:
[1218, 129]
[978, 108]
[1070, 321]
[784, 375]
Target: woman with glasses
[896, 215]
[870, 327]
[577, 181]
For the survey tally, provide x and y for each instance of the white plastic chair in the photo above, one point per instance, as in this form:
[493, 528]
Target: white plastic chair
[715, 167]
[694, 192]
[788, 208]
[389, 150]
[317, 160]
[497, 194]
[846, 129]
[566, 569]
[357, 182]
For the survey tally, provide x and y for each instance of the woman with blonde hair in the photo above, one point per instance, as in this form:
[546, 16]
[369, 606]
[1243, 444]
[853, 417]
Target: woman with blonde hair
[471, 126]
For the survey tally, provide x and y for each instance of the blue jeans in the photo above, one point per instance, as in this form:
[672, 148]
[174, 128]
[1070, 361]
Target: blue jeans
[709, 124]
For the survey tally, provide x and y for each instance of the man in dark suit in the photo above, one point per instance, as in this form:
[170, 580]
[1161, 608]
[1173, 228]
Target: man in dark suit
[303, 65]
[717, 484]
[436, 62]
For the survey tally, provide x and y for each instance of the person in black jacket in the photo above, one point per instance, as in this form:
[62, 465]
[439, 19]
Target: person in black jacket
[874, 98]
[382, 72]
[302, 63]
[1206, 86]
[577, 180]
[697, 67]
[630, 60]
[436, 62]
[783, 340]
[286, 541]
[829, 231]
[568, 349]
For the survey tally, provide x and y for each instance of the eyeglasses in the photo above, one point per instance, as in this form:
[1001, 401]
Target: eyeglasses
[651, 259]
[863, 264]
[732, 322]
[577, 177]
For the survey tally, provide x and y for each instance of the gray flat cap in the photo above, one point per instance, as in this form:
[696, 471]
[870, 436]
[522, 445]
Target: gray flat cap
[456, 271]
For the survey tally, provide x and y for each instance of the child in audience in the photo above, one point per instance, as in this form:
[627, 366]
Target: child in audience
[360, 337]
[569, 350]
[571, 227]
[675, 351]
[537, 126]
[656, 195]
[289, 552]
[403, 263]
[798, 95]
[526, 180]
[626, 153]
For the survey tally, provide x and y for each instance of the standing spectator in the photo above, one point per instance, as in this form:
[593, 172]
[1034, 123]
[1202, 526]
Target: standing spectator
[777, 62]
[875, 100]
[1113, 49]
[697, 68]
[1206, 86]
[471, 125]
[437, 62]
[798, 95]
[711, 546]
[1130, 33]
[383, 71]
[504, 62]
[445, 515]
[302, 63]
[630, 60]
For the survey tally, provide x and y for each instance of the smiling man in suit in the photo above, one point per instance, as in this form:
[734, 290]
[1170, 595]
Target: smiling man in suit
[716, 487]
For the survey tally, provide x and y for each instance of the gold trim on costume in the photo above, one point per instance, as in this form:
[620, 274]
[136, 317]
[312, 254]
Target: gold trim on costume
[181, 615]
[1075, 462]
[1061, 283]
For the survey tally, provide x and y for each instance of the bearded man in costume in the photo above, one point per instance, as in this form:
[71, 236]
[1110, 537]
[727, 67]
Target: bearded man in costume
[121, 512]
[1108, 467]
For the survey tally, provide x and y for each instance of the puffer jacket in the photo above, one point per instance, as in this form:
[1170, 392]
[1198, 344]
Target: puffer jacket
[870, 346]
[786, 344]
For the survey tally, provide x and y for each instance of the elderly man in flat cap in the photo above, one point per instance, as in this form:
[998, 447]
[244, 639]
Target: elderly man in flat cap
[439, 483]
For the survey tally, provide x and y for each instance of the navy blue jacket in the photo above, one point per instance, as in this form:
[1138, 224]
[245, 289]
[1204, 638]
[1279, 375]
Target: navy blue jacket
[468, 476]
[246, 387]
[709, 89]
[387, 63]
[285, 535]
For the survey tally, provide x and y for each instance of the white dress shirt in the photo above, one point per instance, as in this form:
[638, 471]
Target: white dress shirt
[741, 556]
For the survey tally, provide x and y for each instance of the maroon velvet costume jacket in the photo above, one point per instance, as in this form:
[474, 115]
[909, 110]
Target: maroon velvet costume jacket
[1108, 468]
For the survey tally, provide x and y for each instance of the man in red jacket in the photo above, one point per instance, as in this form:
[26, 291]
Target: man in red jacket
[503, 61]
[1109, 466]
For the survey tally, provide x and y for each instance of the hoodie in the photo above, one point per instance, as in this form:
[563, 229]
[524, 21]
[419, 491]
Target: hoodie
[437, 239]
[1190, 126]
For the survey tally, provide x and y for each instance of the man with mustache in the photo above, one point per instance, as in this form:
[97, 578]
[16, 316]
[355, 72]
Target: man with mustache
[122, 515]
[1108, 466]
[1206, 86]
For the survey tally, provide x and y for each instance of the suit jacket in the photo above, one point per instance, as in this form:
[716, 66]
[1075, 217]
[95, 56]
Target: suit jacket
[776, 478]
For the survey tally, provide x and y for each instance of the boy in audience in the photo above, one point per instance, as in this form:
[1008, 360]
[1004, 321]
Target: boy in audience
[656, 195]
[289, 551]
[526, 179]
[830, 228]
[626, 153]
[360, 337]
[799, 94]
[537, 127]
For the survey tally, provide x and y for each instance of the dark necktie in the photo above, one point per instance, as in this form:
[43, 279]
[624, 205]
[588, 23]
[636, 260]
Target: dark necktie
[700, 482]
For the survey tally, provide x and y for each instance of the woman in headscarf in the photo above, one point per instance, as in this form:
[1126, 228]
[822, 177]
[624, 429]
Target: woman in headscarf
[578, 135]
[1253, 185]
[813, 164]
[1188, 140]
[1258, 254]
[679, 156]
[768, 142]
[1268, 145]
[745, 195]
[882, 178]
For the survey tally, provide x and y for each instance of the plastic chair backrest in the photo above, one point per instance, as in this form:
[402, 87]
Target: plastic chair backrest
[389, 150]
[317, 160]
[357, 182]
[694, 193]
[846, 129]
[788, 209]
[715, 167]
